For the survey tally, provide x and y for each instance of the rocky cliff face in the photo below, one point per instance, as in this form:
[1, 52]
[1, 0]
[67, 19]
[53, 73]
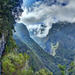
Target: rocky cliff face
[2, 44]
[8, 10]
[6, 28]
[60, 42]
[2, 47]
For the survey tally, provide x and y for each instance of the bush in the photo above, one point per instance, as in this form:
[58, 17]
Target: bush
[13, 63]
[11, 45]
[43, 72]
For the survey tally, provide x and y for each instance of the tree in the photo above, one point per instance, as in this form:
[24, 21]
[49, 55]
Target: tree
[14, 63]
[71, 69]
[43, 72]
[62, 69]
[67, 71]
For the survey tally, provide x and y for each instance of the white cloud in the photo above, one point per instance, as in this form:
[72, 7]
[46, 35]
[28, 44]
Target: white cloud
[48, 15]
[62, 1]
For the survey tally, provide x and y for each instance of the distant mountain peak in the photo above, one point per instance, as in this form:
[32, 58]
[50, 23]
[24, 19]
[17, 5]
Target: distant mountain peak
[21, 30]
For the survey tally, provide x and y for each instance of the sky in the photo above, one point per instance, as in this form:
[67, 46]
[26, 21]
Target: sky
[42, 13]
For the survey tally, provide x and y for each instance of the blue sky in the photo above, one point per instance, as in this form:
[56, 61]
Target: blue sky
[29, 3]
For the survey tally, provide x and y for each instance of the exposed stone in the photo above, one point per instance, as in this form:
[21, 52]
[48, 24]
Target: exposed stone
[2, 47]
[2, 44]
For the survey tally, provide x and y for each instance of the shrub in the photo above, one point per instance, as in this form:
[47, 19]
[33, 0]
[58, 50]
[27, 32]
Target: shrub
[13, 63]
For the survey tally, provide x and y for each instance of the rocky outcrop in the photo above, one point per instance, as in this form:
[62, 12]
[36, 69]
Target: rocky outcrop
[2, 44]
[2, 47]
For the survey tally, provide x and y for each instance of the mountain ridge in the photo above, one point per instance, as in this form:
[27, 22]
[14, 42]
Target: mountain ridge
[47, 59]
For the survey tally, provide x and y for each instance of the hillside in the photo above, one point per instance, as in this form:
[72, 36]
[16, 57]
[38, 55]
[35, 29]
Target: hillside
[62, 33]
[47, 60]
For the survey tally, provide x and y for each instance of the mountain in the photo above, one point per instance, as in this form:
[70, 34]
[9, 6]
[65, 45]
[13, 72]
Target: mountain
[61, 34]
[57, 48]
[34, 60]
[37, 54]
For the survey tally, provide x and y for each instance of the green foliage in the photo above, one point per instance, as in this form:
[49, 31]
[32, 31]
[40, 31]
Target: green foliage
[14, 63]
[63, 69]
[43, 72]
[6, 18]
[51, 73]
[27, 72]
[11, 45]
[67, 71]
[72, 68]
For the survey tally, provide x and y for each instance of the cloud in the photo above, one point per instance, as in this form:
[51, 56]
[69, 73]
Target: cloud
[48, 15]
